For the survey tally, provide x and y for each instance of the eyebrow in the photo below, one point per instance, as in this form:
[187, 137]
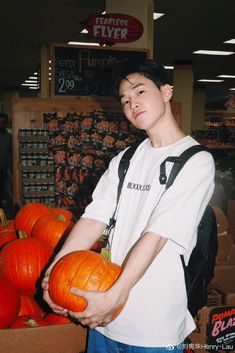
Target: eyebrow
[133, 87]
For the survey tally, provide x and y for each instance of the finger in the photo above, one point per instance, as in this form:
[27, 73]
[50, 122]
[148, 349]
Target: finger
[78, 292]
[56, 308]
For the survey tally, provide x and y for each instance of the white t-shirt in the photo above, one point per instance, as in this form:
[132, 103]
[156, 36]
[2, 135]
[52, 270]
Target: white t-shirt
[155, 314]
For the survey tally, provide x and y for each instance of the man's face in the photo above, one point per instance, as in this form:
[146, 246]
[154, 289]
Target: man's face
[142, 101]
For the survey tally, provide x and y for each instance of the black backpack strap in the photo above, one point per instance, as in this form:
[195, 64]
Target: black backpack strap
[123, 167]
[122, 170]
[179, 162]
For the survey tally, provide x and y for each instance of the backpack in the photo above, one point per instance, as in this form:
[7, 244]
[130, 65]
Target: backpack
[200, 269]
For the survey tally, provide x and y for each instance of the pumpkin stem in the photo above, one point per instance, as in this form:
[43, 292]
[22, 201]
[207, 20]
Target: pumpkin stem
[30, 322]
[60, 217]
[3, 218]
[22, 234]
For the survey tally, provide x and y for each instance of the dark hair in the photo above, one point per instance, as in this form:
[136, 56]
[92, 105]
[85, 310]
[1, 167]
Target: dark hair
[151, 69]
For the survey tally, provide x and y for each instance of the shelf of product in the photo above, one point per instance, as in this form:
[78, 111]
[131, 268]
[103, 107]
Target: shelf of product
[37, 166]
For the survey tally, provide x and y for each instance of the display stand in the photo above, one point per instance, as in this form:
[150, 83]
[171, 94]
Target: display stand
[28, 114]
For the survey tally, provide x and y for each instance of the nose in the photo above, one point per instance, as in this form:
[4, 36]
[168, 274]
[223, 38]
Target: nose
[134, 105]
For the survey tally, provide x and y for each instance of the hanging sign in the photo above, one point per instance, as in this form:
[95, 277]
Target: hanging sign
[114, 28]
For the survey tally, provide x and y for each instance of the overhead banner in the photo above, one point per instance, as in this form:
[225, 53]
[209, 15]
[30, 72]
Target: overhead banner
[114, 28]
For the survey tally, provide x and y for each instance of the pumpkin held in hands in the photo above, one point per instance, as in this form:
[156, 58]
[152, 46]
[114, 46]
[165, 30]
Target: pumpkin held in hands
[83, 269]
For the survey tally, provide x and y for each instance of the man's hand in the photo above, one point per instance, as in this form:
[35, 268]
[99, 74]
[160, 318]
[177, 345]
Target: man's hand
[101, 308]
[56, 308]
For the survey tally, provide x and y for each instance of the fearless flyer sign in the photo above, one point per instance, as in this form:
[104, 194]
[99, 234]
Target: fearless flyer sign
[114, 28]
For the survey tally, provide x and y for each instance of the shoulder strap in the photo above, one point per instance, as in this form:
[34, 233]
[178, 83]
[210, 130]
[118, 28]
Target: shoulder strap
[122, 170]
[124, 165]
[179, 162]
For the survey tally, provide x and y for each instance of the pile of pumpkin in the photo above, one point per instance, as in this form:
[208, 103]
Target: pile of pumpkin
[27, 244]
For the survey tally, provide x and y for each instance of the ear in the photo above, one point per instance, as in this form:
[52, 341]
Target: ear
[166, 92]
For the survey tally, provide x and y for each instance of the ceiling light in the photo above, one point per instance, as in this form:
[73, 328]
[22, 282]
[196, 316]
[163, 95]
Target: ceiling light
[230, 41]
[84, 31]
[232, 89]
[169, 67]
[33, 87]
[209, 80]
[213, 52]
[226, 76]
[30, 81]
[157, 15]
[33, 77]
[29, 84]
[83, 43]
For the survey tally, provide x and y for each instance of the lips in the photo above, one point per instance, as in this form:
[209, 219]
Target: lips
[136, 115]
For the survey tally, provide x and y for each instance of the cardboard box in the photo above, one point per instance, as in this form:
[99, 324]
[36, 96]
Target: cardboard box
[231, 218]
[231, 256]
[214, 298]
[65, 338]
[215, 330]
[221, 220]
[225, 242]
[224, 282]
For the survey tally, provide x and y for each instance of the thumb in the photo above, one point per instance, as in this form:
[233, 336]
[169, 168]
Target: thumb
[77, 291]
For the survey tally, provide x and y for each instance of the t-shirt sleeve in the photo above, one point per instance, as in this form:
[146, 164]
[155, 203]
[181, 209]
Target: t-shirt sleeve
[181, 207]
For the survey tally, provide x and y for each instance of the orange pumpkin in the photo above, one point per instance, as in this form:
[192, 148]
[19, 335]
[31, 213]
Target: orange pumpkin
[7, 236]
[54, 319]
[62, 211]
[27, 216]
[29, 306]
[29, 321]
[22, 261]
[9, 303]
[85, 270]
[52, 228]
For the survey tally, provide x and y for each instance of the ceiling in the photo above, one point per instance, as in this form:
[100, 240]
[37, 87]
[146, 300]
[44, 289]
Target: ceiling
[188, 25]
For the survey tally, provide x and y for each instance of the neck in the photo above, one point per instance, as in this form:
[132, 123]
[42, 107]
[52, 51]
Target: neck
[165, 132]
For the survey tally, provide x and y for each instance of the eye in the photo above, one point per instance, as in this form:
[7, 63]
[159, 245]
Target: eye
[124, 103]
[140, 92]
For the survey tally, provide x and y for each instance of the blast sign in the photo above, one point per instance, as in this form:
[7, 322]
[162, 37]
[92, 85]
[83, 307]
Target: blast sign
[221, 327]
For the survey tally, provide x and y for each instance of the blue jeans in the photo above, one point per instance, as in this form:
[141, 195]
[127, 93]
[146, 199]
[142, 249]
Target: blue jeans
[98, 343]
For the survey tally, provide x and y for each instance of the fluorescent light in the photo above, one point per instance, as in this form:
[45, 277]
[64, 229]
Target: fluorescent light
[209, 80]
[157, 15]
[169, 67]
[29, 84]
[83, 43]
[33, 87]
[230, 41]
[226, 76]
[35, 73]
[213, 52]
[232, 89]
[30, 81]
[33, 77]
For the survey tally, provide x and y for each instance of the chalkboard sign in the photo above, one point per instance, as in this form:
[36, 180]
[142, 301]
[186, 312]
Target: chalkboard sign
[85, 71]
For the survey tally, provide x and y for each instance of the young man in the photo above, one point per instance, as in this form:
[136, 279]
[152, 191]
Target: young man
[150, 232]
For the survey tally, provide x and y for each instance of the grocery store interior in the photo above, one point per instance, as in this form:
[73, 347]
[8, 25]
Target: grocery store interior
[64, 132]
[180, 30]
